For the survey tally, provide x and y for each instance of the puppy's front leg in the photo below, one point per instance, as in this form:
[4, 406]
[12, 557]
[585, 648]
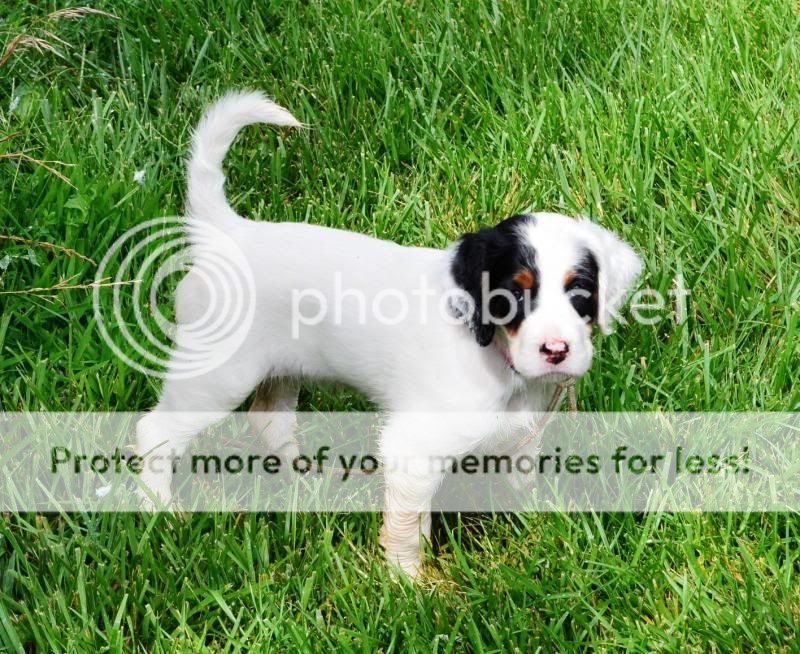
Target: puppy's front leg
[417, 451]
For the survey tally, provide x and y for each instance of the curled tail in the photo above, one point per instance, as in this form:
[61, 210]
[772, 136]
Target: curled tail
[222, 121]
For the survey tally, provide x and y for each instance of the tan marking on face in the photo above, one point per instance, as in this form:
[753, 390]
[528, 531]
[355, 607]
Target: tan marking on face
[524, 278]
[511, 331]
[569, 277]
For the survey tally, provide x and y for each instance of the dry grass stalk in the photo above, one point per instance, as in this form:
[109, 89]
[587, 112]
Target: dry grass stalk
[64, 285]
[70, 13]
[44, 245]
[39, 162]
[28, 40]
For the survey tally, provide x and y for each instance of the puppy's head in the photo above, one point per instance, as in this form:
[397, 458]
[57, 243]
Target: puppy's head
[537, 284]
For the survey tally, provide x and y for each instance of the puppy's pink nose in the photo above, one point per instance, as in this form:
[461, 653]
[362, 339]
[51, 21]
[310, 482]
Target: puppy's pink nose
[554, 350]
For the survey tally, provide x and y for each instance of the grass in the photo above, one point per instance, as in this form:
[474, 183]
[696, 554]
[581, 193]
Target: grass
[673, 123]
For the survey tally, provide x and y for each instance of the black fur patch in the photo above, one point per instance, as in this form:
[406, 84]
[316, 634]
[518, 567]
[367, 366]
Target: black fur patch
[582, 287]
[500, 252]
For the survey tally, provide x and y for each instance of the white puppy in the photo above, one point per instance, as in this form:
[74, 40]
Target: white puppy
[487, 325]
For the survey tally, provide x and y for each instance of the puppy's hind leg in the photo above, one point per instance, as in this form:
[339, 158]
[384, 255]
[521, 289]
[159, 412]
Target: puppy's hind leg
[186, 407]
[272, 416]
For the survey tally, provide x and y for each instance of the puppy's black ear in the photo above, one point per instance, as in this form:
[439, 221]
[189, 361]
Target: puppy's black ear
[470, 263]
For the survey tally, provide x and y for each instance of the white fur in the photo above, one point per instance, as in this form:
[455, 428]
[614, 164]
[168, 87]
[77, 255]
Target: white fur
[426, 364]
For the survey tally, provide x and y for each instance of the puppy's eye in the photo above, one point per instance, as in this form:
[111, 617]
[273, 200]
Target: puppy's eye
[582, 287]
[517, 293]
[584, 301]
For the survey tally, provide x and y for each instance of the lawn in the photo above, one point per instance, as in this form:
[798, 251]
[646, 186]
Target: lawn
[673, 123]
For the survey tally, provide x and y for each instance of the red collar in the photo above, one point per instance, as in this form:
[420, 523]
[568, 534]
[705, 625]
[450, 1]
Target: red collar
[507, 357]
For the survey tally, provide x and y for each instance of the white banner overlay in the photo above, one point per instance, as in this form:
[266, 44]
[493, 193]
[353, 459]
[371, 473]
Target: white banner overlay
[586, 462]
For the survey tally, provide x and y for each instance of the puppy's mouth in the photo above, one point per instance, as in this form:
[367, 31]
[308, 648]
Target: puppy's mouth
[547, 376]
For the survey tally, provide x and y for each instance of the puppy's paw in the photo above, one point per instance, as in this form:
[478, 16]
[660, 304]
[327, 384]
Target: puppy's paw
[153, 493]
[404, 567]
[402, 557]
[277, 432]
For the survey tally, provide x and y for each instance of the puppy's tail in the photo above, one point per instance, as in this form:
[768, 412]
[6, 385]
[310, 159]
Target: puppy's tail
[222, 121]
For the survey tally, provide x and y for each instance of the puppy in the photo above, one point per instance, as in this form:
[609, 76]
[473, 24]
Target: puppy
[487, 326]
